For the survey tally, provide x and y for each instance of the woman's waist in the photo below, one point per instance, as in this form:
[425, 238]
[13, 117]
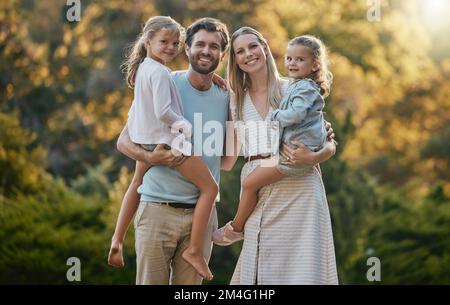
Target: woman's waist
[250, 158]
[259, 151]
[260, 145]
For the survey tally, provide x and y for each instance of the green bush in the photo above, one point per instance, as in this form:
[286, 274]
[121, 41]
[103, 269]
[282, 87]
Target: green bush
[410, 239]
[40, 232]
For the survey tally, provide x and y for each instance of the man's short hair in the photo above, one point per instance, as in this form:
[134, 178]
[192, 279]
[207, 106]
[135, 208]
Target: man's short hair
[210, 25]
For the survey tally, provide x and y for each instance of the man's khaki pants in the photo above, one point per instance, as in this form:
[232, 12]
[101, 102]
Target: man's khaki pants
[162, 233]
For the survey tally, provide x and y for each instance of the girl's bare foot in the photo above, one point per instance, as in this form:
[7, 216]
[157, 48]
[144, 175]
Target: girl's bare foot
[198, 262]
[115, 257]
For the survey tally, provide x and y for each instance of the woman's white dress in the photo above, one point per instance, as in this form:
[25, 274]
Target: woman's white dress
[288, 237]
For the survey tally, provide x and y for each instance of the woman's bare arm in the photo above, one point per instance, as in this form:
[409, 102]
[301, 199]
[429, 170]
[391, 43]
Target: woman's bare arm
[231, 147]
[227, 162]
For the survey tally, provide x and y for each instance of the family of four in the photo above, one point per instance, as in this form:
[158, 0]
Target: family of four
[283, 217]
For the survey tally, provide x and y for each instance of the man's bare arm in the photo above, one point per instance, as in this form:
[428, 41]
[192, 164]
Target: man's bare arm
[159, 156]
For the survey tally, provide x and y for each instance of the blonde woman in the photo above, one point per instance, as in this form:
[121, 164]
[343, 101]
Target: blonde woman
[288, 237]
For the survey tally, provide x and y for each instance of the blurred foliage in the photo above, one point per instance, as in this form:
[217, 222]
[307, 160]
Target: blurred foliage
[411, 240]
[21, 164]
[40, 232]
[63, 102]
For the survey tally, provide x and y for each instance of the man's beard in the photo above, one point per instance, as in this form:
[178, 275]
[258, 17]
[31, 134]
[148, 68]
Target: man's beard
[197, 68]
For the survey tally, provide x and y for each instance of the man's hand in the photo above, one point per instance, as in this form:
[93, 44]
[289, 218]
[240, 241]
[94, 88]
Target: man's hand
[219, 81]
[162, 156]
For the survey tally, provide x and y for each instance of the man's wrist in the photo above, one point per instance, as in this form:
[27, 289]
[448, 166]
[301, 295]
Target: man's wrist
[147, 157]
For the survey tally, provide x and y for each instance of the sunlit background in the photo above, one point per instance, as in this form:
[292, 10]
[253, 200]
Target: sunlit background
[435, 13]
[63, 102]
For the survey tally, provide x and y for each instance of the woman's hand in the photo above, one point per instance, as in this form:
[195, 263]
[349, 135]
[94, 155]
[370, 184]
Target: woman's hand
[162, 156]
[330, 132]
[301, 155]
[219, 81]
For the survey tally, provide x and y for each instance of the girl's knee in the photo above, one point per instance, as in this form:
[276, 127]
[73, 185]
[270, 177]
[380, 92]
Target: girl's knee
[210, 188]
[247, 184]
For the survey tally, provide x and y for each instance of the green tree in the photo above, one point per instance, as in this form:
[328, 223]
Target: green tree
[21, 160]
[410, 239]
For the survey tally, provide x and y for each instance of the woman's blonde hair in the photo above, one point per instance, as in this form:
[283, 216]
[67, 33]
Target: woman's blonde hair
[240, 81]
[138, 51]
[323, 76]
